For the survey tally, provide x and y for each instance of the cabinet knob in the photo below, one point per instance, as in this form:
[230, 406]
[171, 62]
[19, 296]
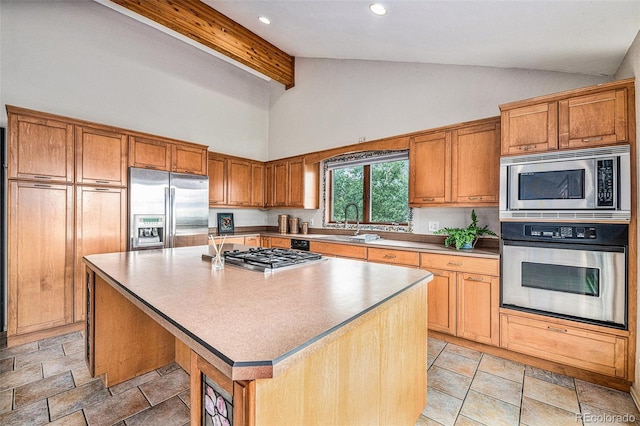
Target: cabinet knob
[389, 256]
[42, 177]
[479, 279]
[557, 330]
[454, 263]
[475, 198]
[527, 147]
[428, 199]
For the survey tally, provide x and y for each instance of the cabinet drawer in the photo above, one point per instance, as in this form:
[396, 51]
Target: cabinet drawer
[252, 241]
[339, 250]
[280, 242]
[586, 349]
[460, 263]
[396, 257]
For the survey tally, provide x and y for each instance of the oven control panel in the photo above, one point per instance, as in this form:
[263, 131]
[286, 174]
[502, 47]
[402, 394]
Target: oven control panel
[560, 231]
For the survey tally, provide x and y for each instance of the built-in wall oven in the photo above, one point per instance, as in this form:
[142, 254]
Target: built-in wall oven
[576, 271]
[586, 184]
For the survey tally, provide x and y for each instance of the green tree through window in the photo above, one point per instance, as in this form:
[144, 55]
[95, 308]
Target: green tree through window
[380, 189]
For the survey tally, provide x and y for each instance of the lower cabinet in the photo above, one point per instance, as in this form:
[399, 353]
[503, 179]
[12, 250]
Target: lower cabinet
[338, 250]
[464, 298]
[585, 348]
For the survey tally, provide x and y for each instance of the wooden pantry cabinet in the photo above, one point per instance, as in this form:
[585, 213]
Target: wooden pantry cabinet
[464, 296]
[167, 155]
[40, 257]
[456, 166]
[582, 118]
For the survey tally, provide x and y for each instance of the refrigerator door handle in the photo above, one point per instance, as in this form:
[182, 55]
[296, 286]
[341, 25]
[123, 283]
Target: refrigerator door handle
[168, 218]
[173, 216]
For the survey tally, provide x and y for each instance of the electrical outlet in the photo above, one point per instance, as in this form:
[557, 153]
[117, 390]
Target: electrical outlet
[434, 226]
[361, 139]
[310, 222]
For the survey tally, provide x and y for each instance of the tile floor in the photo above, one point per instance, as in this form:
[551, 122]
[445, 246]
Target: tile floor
[466, 387]
[47, 382]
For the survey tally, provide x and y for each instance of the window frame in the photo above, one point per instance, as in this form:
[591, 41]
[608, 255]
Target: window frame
[373, 157]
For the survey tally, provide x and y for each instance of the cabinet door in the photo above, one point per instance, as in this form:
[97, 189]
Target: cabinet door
[441, 300]
[189, 159]
[239, 182]
[40, 259]
[40, 149]
[101, 157]
[478, 308]
[280, 242]
[531, 128]
[280, 184]
[593, 120]
[257, 184]
[217, 180]
[101, 227]
[430, 169]
[296, 183]
[269, 185]
[476, 164]
[150, 154]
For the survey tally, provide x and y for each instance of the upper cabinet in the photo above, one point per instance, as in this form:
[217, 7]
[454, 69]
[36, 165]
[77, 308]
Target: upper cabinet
[40, 147]
[581, 118]
[101, 157]
[292, 183]
[235, 182]
[456, 166]
[170, 156]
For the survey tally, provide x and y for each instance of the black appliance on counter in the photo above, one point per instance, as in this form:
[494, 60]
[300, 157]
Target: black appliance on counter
[576, 271]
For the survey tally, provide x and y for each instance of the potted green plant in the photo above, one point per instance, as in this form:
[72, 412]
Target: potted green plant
[465, 238]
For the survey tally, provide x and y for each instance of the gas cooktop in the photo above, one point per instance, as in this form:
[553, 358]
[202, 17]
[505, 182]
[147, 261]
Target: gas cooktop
[269, 259]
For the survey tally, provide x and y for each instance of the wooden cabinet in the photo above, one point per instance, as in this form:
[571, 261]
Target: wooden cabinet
[430, 169]
[529, 129]
[101, 227]
[257, 184]
[464, 296]
[217, 171]
[475, 164]
[557, 340]
[280, 242]
[441, 312]
[393, 257]
[292, 183]
[167, 155]
[456, 166]
[189, 159]
[239, 182]
[478, 308]
[101, 157]
[338, 250]
[149, 153]
[592, 120]
[235, 182]
[40, 256]
[40, 147]
[253, 241]
[581, 118]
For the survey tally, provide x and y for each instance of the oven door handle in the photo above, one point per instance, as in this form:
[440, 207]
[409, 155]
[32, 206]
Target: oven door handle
[558, 244]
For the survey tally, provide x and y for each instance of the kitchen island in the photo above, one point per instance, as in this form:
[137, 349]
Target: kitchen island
[328, 342]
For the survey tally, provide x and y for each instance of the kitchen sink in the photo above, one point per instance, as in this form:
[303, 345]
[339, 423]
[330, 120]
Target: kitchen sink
[362, 238]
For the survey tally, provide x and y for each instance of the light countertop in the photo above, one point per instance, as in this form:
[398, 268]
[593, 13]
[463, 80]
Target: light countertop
[246, 323]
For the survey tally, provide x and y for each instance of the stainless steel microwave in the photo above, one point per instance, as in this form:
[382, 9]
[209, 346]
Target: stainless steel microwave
[580, 184]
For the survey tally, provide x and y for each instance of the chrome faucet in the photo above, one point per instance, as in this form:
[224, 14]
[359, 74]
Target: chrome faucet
[357, 217]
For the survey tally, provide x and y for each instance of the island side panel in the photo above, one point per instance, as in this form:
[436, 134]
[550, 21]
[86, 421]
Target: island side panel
[126, 341]
[374, 374]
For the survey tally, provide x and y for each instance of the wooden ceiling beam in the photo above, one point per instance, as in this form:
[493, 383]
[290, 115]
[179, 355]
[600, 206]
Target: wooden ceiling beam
[207, 26]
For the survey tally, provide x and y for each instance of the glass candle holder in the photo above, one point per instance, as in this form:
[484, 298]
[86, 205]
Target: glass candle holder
[217, 263]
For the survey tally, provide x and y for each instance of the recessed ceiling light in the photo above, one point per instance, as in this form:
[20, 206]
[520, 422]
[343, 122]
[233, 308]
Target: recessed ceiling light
[264, 20]
[377, 9]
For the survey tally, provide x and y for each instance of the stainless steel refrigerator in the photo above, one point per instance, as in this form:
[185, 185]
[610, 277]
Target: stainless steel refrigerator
[167, 209]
